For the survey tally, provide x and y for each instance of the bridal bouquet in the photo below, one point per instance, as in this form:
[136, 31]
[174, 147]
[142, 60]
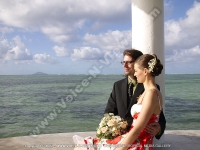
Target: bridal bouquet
[111, 126]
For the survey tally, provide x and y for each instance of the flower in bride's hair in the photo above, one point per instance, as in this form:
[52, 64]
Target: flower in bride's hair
[111, 126]
[152, 64]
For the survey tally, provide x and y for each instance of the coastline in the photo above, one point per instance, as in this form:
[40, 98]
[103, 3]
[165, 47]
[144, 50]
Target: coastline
[172, 140]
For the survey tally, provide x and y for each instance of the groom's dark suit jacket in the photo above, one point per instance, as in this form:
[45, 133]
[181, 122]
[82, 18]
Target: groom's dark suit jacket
[117, 102]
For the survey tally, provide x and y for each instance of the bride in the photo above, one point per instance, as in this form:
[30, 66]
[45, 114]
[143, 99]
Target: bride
[145, 112]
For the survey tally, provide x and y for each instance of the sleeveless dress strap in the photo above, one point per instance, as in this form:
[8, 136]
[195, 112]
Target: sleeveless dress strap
[142, 98]
[158, 99]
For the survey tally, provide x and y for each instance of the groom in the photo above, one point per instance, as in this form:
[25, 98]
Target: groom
[124, 95]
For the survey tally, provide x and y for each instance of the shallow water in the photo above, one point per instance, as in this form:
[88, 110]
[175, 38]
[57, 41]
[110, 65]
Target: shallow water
[40, 104]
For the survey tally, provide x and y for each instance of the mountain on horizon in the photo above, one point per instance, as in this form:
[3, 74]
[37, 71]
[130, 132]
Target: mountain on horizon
[40, 73]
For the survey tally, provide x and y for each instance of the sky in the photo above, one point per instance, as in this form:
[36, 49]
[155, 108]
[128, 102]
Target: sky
[78, 36]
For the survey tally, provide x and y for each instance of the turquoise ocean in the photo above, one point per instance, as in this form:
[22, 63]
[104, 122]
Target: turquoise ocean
[46, 104]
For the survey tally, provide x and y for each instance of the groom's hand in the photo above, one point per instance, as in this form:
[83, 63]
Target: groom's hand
[153, 129]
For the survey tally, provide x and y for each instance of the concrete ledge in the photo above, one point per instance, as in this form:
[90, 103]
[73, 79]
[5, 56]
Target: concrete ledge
[177, 139]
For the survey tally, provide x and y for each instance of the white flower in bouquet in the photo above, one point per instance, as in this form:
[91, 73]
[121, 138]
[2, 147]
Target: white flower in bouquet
[104, 129]
[111, 126]
[111, 122]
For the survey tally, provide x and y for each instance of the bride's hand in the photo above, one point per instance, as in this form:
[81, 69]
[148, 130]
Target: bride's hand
[153, 129]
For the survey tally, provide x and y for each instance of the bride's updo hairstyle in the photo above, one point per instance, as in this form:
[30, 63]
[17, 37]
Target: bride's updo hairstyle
[151, 62]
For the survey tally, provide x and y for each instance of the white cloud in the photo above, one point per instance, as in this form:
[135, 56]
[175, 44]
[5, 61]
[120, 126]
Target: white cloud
[172, 33]
[14, 50]
[186, 55]
[5, 29]
[106, 44]
[192, 20]
[60, 33]
[103, 44]
[112, 40]
[87, 53]
[65, 22]
[4, 47]
[182, 37]
[16, 53]
[61, 20]
[44, 59]
[61, 51]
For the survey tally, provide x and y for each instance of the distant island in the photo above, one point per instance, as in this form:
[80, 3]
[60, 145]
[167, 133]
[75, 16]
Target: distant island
[40, 73]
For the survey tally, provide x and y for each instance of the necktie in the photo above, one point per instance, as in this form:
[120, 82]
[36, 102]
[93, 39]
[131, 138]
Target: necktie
[130, 89]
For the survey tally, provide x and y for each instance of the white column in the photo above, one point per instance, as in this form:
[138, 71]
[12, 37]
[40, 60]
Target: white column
[148, 32]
